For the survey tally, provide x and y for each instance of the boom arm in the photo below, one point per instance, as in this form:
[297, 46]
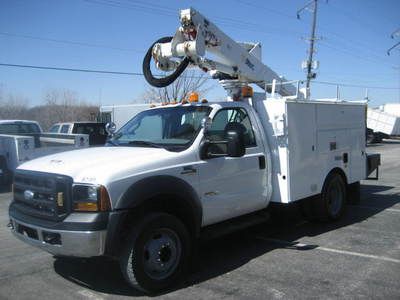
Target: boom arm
[236, 61]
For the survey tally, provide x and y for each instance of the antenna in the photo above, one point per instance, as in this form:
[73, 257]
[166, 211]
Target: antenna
[309, 64]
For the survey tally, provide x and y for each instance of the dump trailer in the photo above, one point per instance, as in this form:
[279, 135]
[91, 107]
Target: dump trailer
[178, 172]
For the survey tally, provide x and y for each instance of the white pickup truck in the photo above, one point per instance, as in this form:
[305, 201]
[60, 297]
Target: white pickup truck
[177, 171]
[23, 140]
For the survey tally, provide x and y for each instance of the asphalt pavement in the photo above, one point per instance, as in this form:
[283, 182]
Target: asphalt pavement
[285, 258]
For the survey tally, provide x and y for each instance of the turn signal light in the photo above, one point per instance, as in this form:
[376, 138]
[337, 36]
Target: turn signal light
[91, 198]
[247, 91]
[194, 97]
[105, 202]
[86, 206]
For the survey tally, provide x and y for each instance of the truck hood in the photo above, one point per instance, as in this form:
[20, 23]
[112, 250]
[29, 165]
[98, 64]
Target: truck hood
[96, 165]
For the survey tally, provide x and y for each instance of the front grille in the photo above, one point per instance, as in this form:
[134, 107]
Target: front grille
[43, 195]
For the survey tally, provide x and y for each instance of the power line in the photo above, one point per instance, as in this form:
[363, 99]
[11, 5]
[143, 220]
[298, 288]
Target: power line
[349, 53]
[267, 9]
[144, 8]
[356, 19]
[357, 85]
[141, 74]
[86, 70]
[163, 10]
[67, 42]
[230, 22]
[363, 45]
[71, 69]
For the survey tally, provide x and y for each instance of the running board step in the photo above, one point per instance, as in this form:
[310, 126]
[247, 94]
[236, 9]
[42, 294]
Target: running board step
[216, 230]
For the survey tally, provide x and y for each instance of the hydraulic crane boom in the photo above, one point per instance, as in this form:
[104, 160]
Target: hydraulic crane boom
[232, 61]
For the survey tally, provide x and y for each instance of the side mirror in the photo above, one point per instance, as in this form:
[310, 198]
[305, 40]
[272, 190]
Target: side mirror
[111, 128]
[235, 143]
[232, 146]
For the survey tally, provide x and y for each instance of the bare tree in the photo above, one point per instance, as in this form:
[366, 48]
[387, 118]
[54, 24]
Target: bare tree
[189, 81]
[58, 106]
[13, 106]
[63, 106]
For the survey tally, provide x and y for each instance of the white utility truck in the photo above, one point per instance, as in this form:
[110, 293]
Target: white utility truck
[178, 171]
[120, 114]
[23, 140]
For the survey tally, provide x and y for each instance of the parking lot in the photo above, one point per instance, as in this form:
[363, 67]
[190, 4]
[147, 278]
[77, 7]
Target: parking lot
[285, 258]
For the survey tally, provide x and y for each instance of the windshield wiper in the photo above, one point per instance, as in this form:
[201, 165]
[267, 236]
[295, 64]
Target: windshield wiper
[145, 143]
[111, 142]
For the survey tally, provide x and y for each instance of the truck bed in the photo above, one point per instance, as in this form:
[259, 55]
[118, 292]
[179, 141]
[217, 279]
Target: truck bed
[308, 139]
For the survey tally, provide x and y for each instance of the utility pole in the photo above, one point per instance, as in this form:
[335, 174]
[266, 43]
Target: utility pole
[395, 33]
[312, 39]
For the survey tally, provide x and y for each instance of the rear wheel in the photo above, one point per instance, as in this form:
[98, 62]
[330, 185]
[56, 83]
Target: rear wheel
[157, 254]
[330, 204]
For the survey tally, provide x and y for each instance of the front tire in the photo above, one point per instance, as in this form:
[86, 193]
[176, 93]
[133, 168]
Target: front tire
[157, 253]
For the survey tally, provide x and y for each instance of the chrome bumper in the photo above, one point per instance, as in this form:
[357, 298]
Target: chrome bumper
[60, 242]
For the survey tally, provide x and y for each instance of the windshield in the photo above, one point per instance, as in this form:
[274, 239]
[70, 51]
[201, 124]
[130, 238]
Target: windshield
[168, 127]
[19, 128]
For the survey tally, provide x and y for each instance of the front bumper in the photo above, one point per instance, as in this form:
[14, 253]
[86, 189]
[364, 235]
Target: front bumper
[60, 242]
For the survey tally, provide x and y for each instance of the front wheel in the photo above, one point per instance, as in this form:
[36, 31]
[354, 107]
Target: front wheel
[157, 254]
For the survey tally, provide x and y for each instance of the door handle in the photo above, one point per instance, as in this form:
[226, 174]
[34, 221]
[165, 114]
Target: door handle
[188, 170]
[261, 162]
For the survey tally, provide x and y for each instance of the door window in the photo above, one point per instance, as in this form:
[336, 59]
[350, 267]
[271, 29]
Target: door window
[64, 129]
[54, 128]
[230, 118]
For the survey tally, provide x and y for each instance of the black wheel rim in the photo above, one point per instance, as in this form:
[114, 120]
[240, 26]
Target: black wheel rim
[161, 253]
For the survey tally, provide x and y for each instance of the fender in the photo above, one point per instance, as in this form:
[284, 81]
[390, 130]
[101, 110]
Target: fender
[141, 194]
[153, 186]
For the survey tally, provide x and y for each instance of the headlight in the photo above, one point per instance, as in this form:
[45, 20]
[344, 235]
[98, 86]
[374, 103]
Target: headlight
[90, 198]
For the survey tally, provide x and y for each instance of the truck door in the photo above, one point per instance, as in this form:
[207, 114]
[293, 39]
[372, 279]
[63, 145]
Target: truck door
[232, 186]
[64, 128]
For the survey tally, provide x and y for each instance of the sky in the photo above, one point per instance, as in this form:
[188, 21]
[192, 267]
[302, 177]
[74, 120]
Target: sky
[113, 35]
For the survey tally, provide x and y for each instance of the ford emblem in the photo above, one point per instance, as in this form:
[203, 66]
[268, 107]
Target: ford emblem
[28, 195]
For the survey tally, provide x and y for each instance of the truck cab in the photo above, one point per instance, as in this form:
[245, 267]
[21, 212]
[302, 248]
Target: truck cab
[95, 130]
